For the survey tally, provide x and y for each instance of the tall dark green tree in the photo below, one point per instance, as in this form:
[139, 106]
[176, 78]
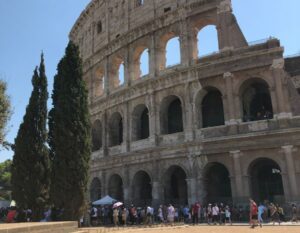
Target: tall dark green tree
[69, 136]
[31, 165]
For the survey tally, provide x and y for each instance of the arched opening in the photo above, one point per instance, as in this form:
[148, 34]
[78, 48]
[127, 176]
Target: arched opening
[97, 135]
[140, 123]
[142, 189]
[175, 186]
[121, 73]
[98, 83]
[256, 101]
[212, 109]
[95, 190]
[116, 130]
[115, 187]
[266, 180]
[171, 115]
[217, 183]
[144, 63]
[173, 52]
[207, 41]
[175, 123]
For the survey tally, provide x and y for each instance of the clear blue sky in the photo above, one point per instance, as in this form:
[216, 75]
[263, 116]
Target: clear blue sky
[29, 26]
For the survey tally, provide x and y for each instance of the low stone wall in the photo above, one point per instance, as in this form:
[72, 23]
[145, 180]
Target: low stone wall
[53, 227]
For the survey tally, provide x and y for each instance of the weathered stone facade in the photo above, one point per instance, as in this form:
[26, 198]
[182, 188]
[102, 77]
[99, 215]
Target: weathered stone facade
[204, 129]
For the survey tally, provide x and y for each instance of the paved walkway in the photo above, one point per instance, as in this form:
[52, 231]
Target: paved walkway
[235, 228]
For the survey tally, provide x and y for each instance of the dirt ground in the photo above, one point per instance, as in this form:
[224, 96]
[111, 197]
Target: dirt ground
[215, 229]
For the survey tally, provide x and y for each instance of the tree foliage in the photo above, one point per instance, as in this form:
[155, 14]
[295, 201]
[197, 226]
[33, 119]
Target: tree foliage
[31, 165]
[5, 112]
[5, 177]
[69, 136]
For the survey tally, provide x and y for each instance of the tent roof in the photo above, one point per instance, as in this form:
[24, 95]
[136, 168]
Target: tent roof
[107, 200]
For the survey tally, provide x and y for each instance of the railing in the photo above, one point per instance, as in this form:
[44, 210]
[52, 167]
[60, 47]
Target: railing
[292, 55]
[261, 41]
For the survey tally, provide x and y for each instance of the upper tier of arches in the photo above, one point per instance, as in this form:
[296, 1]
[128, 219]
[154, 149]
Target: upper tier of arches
[209, 109]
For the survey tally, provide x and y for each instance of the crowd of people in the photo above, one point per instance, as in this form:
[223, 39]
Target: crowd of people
[212, 214]
[17, 215]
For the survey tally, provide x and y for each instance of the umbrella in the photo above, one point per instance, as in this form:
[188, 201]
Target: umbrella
[117, 204]
[107, 200]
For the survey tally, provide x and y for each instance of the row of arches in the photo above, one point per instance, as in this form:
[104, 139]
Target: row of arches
[265, 174]
[255, 100]
[207, 42]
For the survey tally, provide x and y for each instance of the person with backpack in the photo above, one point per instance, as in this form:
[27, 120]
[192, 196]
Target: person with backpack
[253, 213]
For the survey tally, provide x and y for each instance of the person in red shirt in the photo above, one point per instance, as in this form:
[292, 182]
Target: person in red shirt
[195, 210]
[10, 218]
[253, 213]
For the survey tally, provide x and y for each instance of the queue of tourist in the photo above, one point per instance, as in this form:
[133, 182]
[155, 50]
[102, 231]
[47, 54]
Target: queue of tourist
[212, 214]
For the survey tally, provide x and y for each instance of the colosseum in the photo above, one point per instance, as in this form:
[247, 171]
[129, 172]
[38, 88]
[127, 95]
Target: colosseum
[223, 126]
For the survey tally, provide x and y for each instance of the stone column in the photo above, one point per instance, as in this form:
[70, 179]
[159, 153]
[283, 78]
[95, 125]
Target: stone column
[127, 68]
[188, 129]
[237, 173]
[106, 76]
[156, 193]
[278, 73]
[105, 134]
[201, 192]
[185, 44]
[152, 118]
[191, 190]
[126, 128]
[152, 58]
[231, 119]
[291, 171]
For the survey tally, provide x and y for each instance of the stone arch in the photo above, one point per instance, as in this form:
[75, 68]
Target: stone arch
[115, 187]
[209, 107]
[141, 60]
[115, 129]
[207, 41]
[217, 183]
[95, 189]
[96, 135]
[175, 185]
[117, 78]
[199, 23]
[142, 188]
[171, 115]
[163, 53]
[140, 122]
[98, 84]
[266, 180]
[256, 101]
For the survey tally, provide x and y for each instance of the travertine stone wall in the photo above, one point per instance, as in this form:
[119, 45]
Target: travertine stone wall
[127, 30]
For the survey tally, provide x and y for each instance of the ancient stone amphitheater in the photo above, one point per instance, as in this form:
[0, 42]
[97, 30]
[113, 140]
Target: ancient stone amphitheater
[218, 127]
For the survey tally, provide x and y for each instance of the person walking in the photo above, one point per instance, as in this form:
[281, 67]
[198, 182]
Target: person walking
[294, 214]
[195, 210]
[171, 214]
[274, 214]
[227, 215]
[215, 213]
[116, 216]
[160, 214]
[209, 214]
[124, 217]
[253, 213]
[261, 210]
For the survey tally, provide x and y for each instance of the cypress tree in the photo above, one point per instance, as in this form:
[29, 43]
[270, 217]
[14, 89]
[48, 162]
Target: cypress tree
[31, 164]
[69, 136]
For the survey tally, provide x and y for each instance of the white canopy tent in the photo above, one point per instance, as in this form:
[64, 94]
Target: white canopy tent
[107, 200]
